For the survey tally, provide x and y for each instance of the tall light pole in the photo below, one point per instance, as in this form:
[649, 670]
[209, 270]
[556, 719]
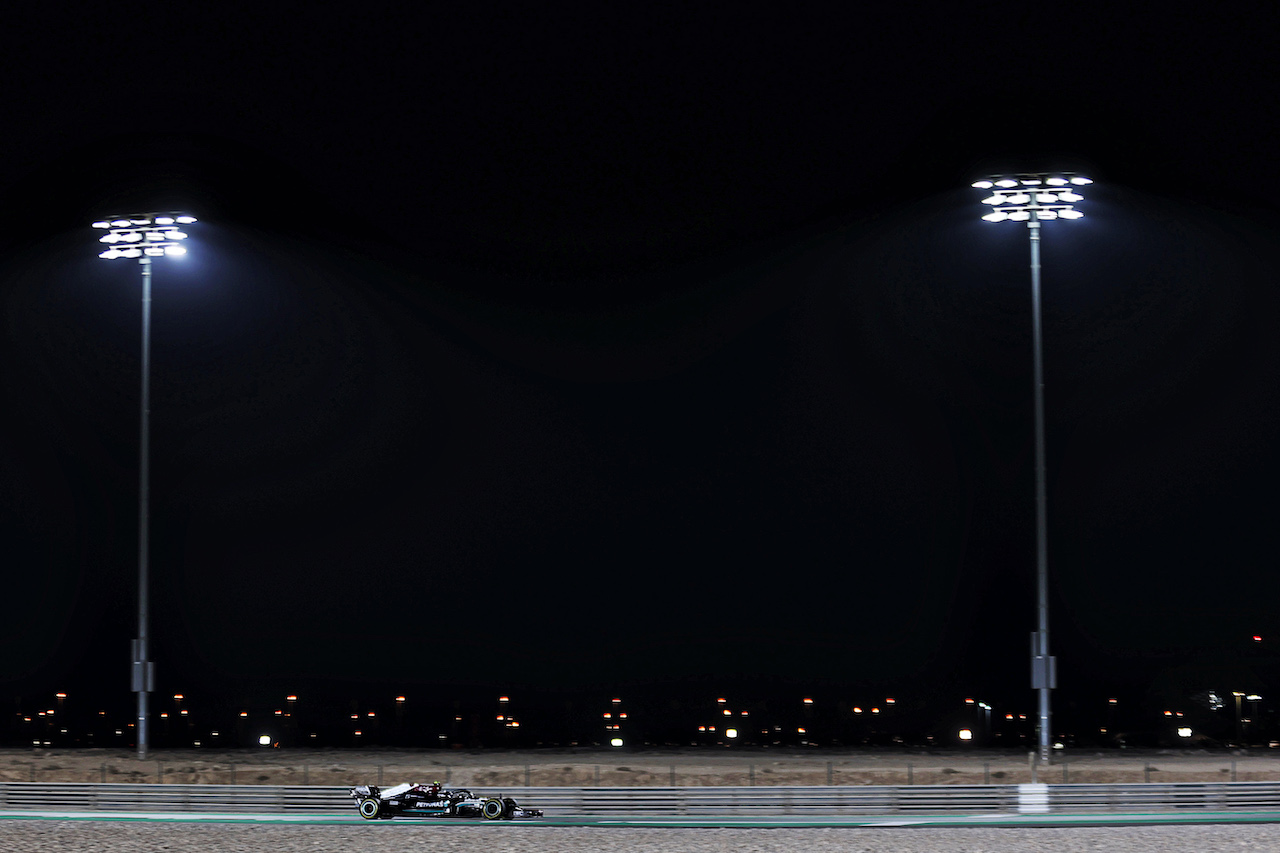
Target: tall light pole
[144, 236]
[1033, 198]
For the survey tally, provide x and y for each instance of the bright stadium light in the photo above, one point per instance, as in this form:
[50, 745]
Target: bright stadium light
[156, 231]
[159, 235]
[1045, 201]
[1033, 193]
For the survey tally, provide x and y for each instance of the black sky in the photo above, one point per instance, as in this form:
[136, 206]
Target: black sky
[638, 348]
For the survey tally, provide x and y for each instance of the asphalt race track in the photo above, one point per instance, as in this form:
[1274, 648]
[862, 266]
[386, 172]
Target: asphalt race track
[122, 832]
[674, 822]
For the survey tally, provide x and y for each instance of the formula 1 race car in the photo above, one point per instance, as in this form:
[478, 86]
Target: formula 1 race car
[433, 801]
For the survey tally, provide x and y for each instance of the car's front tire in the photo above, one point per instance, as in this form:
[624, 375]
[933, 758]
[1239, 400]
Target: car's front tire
[493, 809]
[370, 808]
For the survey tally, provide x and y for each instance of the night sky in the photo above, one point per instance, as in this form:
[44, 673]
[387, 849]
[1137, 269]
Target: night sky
[584, 350]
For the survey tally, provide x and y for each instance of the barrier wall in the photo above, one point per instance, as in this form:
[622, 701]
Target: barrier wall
[755, 800]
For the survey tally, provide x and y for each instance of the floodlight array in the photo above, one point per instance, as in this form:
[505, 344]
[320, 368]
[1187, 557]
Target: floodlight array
[1042, 195]
[144, 235]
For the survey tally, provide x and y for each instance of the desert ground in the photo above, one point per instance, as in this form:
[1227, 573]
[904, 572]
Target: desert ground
[582, 768]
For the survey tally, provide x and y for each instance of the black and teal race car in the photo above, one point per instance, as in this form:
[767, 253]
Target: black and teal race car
[432, 800]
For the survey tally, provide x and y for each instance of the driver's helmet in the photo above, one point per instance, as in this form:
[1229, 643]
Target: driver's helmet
[434, 789]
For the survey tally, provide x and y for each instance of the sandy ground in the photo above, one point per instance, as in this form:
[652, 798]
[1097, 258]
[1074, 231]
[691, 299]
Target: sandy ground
[578, 768]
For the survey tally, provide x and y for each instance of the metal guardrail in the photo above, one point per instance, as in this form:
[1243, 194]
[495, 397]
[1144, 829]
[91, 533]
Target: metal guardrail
[756, 800]
[675, 802]
[1211, 796]
[256, 799]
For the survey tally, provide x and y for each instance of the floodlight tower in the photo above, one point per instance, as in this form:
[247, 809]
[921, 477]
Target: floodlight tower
[1033, 198]
[144, 236]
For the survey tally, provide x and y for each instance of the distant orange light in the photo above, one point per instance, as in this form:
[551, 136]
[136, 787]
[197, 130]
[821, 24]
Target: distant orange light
[800, 731]
[1257, 638]
[400, 699]
[291, 698]
[617, 701]
[244, 713]
[504, 698]
[808, 701]
[61, 695]
[890, 701]
[179, 696]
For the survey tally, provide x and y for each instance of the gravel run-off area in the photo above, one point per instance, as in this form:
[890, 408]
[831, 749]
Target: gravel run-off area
[33, 836]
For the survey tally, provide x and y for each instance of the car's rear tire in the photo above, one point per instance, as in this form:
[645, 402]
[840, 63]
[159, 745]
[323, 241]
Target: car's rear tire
[371, 809]
[493, 809]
